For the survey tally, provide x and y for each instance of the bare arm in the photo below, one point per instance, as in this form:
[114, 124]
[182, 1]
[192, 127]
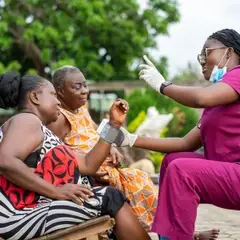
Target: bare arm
[89, 164]
[13, 152]
[189, 142]
[199, 97]
[196, 97]
[116, 157]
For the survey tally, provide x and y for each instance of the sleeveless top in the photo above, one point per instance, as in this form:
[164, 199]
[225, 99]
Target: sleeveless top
[50, 141]
[54, 162]
[83, 136]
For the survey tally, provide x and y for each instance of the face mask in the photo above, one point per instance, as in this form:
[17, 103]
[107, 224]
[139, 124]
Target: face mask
[218, 73]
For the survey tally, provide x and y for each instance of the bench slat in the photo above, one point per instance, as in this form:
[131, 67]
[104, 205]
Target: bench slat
[87, 229]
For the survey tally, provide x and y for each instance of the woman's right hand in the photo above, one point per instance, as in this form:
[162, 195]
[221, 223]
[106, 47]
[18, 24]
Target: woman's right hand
[118, 113]
[151, 75]
[75, 192]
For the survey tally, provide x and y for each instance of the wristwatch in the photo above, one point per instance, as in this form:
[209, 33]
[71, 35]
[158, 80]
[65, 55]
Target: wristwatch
[163, 85]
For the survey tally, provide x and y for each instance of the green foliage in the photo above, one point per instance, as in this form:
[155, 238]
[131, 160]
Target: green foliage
[184, 120]
[7, 112]
[138, 101]
[12, 66]
[104, 38]
[188, 75]
[157, 157]
[134, 124]
[164, 132]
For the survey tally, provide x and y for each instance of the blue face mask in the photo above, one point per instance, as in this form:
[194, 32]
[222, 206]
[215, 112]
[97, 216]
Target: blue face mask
[218, 73]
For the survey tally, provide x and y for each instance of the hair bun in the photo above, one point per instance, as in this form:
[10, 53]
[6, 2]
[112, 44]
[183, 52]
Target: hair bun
[9, 90]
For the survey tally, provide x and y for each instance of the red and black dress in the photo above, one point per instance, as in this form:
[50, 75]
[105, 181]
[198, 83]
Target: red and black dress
[25, 214]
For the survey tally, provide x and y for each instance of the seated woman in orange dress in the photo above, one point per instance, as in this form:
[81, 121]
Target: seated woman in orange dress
[77, 129]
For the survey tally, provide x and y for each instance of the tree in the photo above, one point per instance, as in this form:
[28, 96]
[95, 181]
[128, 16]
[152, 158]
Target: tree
[104, 38]
[189, 75]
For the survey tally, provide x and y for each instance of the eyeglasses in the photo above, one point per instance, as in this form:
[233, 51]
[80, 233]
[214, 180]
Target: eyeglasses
[202, 57]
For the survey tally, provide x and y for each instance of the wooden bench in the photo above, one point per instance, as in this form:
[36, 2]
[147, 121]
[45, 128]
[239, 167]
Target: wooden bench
[88, 230]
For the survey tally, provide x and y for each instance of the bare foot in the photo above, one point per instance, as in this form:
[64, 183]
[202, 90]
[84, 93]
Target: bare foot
[207, 235]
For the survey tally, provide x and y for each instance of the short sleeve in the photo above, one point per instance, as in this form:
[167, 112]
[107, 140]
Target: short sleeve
[232, 78]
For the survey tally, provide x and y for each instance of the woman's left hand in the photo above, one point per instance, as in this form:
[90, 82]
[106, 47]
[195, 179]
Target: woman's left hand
[116, 158]
[118, 113]
[101, 177]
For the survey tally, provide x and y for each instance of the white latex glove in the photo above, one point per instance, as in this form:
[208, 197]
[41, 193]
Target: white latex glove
[150, 74]
[129, 138]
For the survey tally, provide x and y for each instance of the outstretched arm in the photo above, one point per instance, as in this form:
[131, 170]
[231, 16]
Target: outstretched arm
[196, 97]
[199, 97]
[190, 142]
[89, 164]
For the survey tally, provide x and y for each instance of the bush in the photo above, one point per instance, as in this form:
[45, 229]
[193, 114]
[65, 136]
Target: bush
[184, 120]
[135, 123]
[157, 157]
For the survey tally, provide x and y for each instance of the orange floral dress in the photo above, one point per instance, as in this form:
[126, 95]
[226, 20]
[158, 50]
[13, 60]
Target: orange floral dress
[136, 185]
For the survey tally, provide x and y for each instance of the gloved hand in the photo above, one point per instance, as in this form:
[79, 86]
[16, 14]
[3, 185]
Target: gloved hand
[151, 75]
[129, 138]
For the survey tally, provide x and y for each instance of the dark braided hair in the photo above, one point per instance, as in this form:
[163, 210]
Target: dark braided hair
[60, 75]
[229, 38]
[13, 89]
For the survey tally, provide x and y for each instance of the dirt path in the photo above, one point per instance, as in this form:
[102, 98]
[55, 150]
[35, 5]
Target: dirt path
[211, 217]
[226, 220]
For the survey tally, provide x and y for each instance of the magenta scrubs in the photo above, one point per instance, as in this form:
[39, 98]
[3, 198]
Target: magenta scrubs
[188, 179]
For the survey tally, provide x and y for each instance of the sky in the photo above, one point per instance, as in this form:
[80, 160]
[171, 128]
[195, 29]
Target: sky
[199, 19]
